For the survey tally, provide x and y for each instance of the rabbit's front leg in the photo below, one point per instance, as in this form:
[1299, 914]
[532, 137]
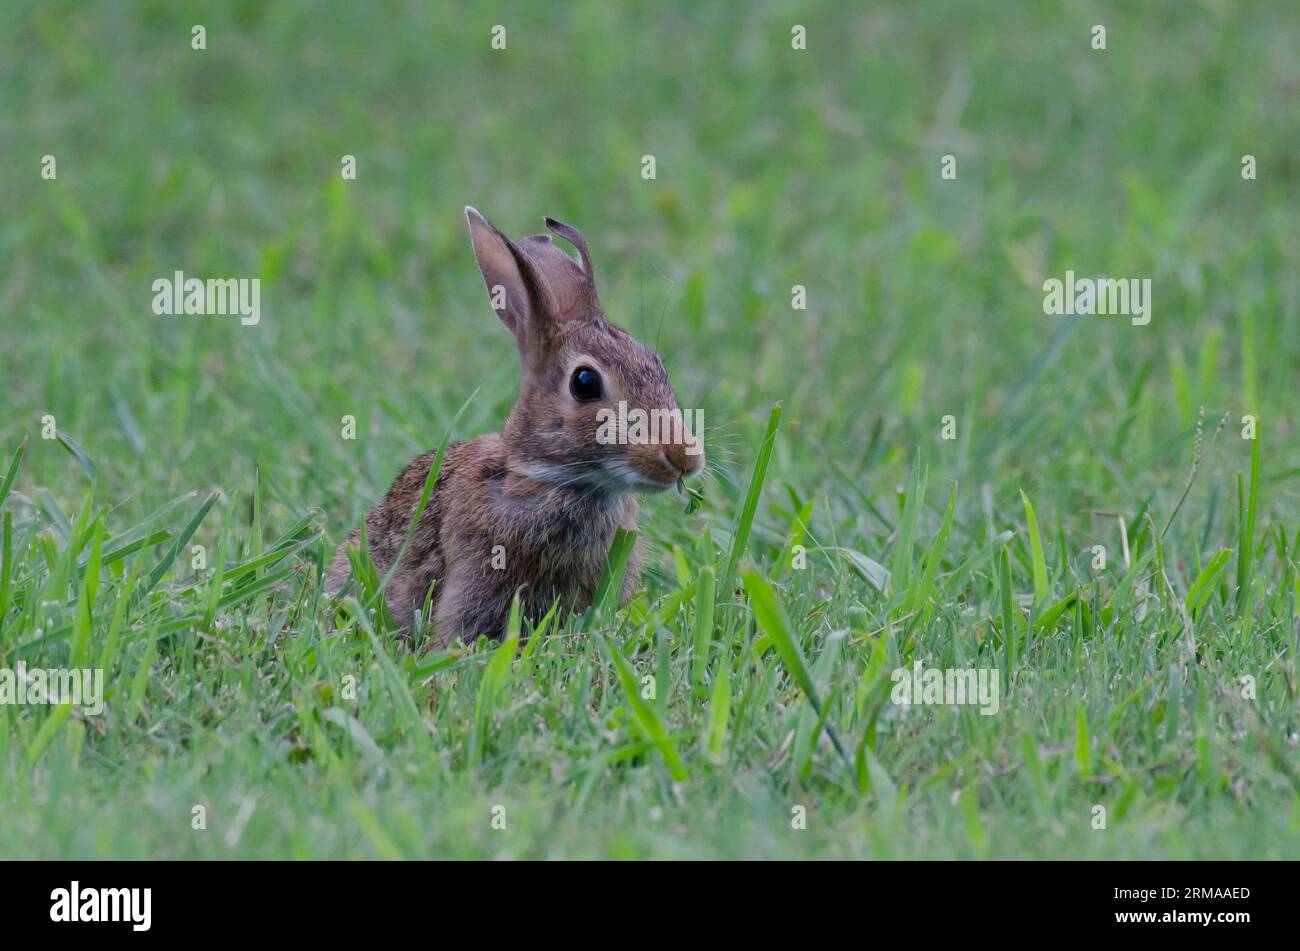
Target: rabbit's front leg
[470, 604]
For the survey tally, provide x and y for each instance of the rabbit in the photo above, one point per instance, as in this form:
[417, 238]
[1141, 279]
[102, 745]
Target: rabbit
[535, 507]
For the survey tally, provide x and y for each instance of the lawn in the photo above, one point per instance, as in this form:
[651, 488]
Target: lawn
[917, 465]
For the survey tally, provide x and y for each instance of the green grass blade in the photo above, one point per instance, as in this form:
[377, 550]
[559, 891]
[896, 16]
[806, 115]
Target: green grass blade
[181, 541]
[82, 457]
[646, 715]
[704, 598]
[1009, 615]
[901, 563]
[611, 579]
[923, 583]
[1203, 586]
[719, 712]
[12, 472]
[1246, 531]
[1082, 744]
[772, 618]
[409, 713]
[1048, 618]
[6, 569]
[493, 687]
[1037, 558]
[740, 539]
[46, 733]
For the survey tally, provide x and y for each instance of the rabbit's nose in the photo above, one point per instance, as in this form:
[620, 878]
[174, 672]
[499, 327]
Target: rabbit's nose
[686, 457]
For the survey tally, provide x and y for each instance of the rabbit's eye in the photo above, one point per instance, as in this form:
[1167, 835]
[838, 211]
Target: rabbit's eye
[585, 385]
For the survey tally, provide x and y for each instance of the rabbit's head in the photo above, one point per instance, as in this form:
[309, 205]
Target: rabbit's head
[595, 410]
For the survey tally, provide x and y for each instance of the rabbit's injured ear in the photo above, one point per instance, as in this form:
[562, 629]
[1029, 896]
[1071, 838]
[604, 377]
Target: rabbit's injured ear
[574, 237]
[514, 288]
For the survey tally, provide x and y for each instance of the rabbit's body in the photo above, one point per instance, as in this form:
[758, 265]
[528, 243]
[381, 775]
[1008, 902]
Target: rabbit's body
[550, 542]
[535, 507]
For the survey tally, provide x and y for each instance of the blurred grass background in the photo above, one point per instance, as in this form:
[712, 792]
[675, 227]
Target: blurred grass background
[775, 167]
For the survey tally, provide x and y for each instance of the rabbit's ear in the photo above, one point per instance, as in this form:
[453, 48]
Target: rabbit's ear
[574, 237]
[514, 287]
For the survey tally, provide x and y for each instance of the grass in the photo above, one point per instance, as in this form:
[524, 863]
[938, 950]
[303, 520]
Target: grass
[837, 540]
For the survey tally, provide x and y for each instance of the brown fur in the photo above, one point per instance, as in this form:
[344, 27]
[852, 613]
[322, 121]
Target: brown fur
[543, 489]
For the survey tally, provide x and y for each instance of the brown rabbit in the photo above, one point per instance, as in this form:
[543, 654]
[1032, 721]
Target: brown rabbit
[536, 505]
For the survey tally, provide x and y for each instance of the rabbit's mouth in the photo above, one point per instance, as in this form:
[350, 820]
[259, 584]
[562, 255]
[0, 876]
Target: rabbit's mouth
[655, 474]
